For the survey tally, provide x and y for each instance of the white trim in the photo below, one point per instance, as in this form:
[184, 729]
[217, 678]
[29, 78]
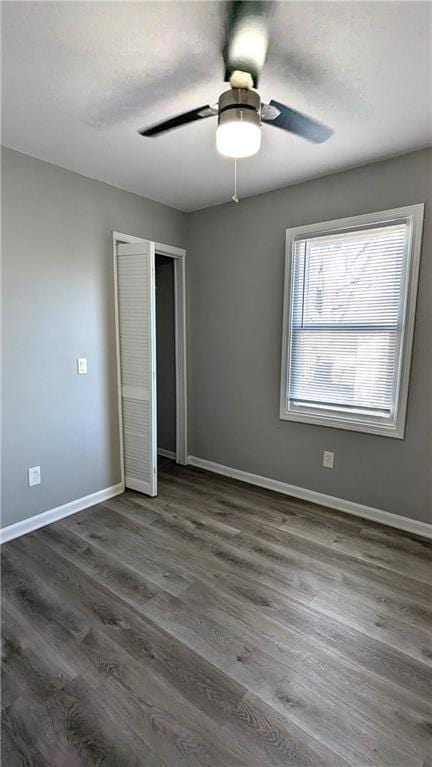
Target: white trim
[338, 504]
[179, 256]
[413, 214]
[153, 394]
[59, 512]
[164, 250]
[118, 363]
[126, 239]
[167, 453]
[180, 359]
[169, 250]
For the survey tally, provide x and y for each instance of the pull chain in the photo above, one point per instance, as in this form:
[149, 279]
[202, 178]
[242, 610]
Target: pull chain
[234, 197]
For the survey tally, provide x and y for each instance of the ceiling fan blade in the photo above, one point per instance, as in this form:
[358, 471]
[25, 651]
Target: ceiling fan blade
[295, 122]
[246, 38]
[177, 122]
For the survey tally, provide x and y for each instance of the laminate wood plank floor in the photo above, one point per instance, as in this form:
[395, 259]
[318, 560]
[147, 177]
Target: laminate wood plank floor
[217, 625]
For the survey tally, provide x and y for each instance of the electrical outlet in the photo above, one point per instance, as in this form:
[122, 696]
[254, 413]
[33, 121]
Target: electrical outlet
[34, 476]
[328, 459]
[82, 366]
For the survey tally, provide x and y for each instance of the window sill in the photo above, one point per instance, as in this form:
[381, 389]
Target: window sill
[351, 424]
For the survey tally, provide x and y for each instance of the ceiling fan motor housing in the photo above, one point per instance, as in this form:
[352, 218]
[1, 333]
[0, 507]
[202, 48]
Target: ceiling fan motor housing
[239, 105]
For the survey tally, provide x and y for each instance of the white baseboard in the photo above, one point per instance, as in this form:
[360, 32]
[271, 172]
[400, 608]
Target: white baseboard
[339, 504]
[53, 515]
[167, 453]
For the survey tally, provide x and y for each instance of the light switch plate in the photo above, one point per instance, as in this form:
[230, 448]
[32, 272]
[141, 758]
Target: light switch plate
[328, 459]
[34, 476]
[82, 366]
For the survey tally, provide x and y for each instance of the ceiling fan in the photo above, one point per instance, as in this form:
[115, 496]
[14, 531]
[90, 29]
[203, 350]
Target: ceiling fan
[239, 110]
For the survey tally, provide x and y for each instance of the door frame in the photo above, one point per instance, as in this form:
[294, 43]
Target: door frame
[179, 257]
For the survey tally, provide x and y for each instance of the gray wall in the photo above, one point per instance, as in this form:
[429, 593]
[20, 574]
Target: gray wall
[235, 290]
[57, 306]
[165, 349]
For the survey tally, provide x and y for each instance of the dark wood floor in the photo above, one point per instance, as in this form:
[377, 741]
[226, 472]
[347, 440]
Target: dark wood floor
[216, 625]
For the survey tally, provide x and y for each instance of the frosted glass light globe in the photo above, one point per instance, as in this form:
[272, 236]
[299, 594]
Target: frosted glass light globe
[238, 138]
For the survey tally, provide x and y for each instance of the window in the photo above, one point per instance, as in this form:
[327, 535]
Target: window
[350, 293]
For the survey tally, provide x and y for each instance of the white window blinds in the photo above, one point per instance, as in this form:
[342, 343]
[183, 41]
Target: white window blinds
[346, 311]
[344, 322]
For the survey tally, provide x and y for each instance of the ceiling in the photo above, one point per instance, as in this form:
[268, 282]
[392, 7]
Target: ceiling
[79, 79]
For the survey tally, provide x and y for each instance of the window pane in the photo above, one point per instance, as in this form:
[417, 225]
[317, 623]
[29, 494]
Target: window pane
[345, 315]
[350, 278]
[347, 367]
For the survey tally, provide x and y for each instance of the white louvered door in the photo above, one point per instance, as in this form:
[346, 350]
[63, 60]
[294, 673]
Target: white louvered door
[137, 340]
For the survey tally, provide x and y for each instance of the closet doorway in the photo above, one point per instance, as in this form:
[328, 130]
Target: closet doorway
[135, 300]
[165, 358]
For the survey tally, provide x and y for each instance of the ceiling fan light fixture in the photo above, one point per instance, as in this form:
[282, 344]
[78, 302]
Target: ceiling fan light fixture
[239, 123]
[238, 138]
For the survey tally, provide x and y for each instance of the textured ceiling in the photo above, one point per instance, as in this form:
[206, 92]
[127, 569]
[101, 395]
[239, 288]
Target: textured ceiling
[79, 79]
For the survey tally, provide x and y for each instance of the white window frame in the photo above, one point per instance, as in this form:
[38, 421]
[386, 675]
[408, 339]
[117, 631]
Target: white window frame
[413, 214]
